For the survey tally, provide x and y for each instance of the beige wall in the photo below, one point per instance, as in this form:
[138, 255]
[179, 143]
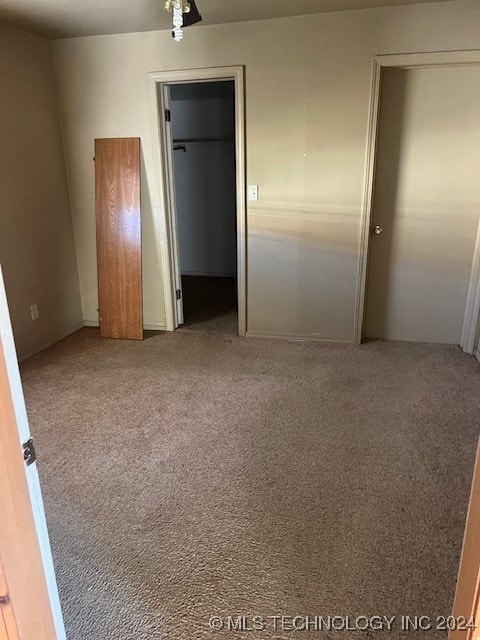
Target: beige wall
[308, 85]
[36, 240]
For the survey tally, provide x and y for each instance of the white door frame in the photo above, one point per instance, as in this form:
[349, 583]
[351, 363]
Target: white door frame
[408, 61]
[162, 181]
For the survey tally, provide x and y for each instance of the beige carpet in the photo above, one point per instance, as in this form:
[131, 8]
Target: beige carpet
[198, 474]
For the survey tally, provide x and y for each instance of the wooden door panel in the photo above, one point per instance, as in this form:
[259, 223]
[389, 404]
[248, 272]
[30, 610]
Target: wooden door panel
[8, 626]
[466, 602]
[23, 569]
[119, 246]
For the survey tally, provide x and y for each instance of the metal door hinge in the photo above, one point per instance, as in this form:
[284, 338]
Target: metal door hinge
[168, 115]
[179, 294]
[4, 600]
[29, 454]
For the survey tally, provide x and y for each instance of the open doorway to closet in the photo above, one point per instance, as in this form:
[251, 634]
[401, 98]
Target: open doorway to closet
[202, 116]
[201, 143]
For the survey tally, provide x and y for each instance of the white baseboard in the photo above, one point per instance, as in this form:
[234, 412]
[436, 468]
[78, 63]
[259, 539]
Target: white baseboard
[291, 337]
[146, 327]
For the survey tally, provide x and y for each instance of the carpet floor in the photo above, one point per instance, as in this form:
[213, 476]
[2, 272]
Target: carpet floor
[197, 474]
[210, 304]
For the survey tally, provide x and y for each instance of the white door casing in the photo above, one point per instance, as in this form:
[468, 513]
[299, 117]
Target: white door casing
[162, 182]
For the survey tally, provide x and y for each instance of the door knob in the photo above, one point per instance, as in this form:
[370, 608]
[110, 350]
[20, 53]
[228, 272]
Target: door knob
[377, 230]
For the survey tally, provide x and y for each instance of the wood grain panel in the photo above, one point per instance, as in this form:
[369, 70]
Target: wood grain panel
[19, 547]
[119, 243]
[8, 626]
[466, 602]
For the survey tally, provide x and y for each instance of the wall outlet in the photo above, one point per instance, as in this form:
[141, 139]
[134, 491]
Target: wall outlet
[34, 312]
[253, 192]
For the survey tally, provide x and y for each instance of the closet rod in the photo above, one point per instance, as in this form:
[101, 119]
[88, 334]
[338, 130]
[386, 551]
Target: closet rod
[202, 140]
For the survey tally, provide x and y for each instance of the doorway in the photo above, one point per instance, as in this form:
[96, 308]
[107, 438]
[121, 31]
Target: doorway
[202, 120]
[198, 117]
[423, 222]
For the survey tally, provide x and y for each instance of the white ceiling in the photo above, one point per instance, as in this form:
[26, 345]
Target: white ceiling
[68, 18]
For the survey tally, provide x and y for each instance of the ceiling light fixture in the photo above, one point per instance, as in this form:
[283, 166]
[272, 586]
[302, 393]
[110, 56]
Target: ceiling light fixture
[179, 8]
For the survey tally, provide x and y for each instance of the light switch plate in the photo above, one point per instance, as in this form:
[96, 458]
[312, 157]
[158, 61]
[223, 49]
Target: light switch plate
[253, 192]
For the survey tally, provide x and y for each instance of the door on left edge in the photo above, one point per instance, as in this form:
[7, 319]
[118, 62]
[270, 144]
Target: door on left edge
[29, 603]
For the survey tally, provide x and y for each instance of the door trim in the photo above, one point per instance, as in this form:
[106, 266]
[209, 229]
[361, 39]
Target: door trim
[407, 61]
[161, 182]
